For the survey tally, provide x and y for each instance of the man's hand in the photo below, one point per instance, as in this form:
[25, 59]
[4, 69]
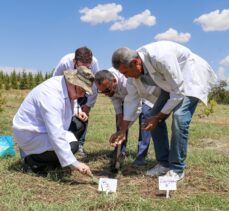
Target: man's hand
[83, 168]
[152, 122]
[117, 138]
[82, 116]
[86, 109]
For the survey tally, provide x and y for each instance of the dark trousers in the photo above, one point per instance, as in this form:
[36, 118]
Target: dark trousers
[144, 136]
[78, 127]
[39, 162]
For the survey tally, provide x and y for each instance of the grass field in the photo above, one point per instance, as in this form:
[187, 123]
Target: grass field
[205, 187]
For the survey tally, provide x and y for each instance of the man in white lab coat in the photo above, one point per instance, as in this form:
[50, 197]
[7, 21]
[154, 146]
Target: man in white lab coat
[114, 85]
[82, 57]
[41, 124]
[184, 79]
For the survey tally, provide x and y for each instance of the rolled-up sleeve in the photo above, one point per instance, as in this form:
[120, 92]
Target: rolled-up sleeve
[117, 104]
[132, 102]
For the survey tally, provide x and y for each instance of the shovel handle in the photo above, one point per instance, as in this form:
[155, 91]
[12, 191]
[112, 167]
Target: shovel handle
[117, 163]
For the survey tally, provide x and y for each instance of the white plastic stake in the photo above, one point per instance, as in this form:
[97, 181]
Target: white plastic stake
[167, 183]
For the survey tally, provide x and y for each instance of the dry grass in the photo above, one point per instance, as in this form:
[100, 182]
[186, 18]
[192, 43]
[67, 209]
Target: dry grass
[200, 190]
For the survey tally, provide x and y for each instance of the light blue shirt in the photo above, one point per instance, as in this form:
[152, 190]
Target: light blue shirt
[46, 111]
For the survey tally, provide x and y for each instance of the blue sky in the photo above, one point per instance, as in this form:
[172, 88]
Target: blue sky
[36, 34]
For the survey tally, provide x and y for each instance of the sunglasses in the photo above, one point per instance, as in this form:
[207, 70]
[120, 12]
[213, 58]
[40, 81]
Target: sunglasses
[105, 91]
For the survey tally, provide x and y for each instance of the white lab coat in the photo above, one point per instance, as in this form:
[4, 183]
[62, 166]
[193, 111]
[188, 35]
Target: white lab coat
[42, 121]
[175, 69]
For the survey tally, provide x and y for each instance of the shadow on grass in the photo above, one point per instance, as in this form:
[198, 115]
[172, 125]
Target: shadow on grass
[104, 167]
[57, 174]
[107, 163]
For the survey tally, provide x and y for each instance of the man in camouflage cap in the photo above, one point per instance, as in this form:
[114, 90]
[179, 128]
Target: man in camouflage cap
[41, 124]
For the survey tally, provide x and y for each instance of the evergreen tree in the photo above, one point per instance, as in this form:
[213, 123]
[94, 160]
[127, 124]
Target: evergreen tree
[2, 102]
[19, 77]
[38, 78]
[7, 81]
[13, 80]
[46, 76]
[30, 81]
[1, 83]
[1, 75]
[24, 81]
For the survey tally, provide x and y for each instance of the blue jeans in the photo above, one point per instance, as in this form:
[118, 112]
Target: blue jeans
[144, 136]
[173, 157]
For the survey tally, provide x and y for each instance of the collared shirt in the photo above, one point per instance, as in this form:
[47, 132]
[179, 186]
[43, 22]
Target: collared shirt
[175, 69]
[146, 78]
[67, 63]
[46, 112]
[120, 91]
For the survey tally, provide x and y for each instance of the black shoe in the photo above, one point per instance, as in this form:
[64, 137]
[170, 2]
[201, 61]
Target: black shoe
[29, 164]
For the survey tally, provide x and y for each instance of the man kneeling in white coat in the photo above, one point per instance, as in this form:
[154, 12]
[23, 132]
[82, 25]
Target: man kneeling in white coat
[42, 121]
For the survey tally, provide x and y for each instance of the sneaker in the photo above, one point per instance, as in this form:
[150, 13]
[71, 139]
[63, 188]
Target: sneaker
[139, 162]
[157, 170]
[81, 152]
[176, 176]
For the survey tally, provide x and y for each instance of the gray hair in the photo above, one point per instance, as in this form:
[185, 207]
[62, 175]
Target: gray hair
[102, 75]
[123, 56]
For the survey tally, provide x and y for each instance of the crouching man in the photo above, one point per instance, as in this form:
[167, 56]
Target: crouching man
[41, 124]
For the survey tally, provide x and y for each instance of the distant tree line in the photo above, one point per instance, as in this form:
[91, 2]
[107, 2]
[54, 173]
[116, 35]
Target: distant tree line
[28, 80]
[220, 93]
[22, 80]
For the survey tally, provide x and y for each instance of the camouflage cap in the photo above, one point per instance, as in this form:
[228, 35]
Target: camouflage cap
[82, 77]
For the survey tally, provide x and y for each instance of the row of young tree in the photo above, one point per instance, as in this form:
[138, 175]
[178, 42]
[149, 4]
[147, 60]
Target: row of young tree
[28, 80]
[21, 80]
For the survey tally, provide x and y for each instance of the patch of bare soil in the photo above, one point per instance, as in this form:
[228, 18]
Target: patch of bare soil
[220, 145]
[214, 120]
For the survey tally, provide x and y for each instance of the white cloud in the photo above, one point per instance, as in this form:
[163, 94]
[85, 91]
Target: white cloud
[225, 61]
[172, 34]
[214, 21]
[222, 75]
[135, 21]
[102, 13]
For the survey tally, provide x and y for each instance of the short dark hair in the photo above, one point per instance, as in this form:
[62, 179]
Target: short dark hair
[84, 55]
[102, 75]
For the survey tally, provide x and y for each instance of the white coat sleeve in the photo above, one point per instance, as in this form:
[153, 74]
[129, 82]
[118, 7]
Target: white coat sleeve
[170, 69]
[132, 102]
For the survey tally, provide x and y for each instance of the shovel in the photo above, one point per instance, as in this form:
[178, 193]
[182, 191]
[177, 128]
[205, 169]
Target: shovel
[117, 163]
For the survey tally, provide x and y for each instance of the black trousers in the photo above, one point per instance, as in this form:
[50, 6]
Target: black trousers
[40, 162]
